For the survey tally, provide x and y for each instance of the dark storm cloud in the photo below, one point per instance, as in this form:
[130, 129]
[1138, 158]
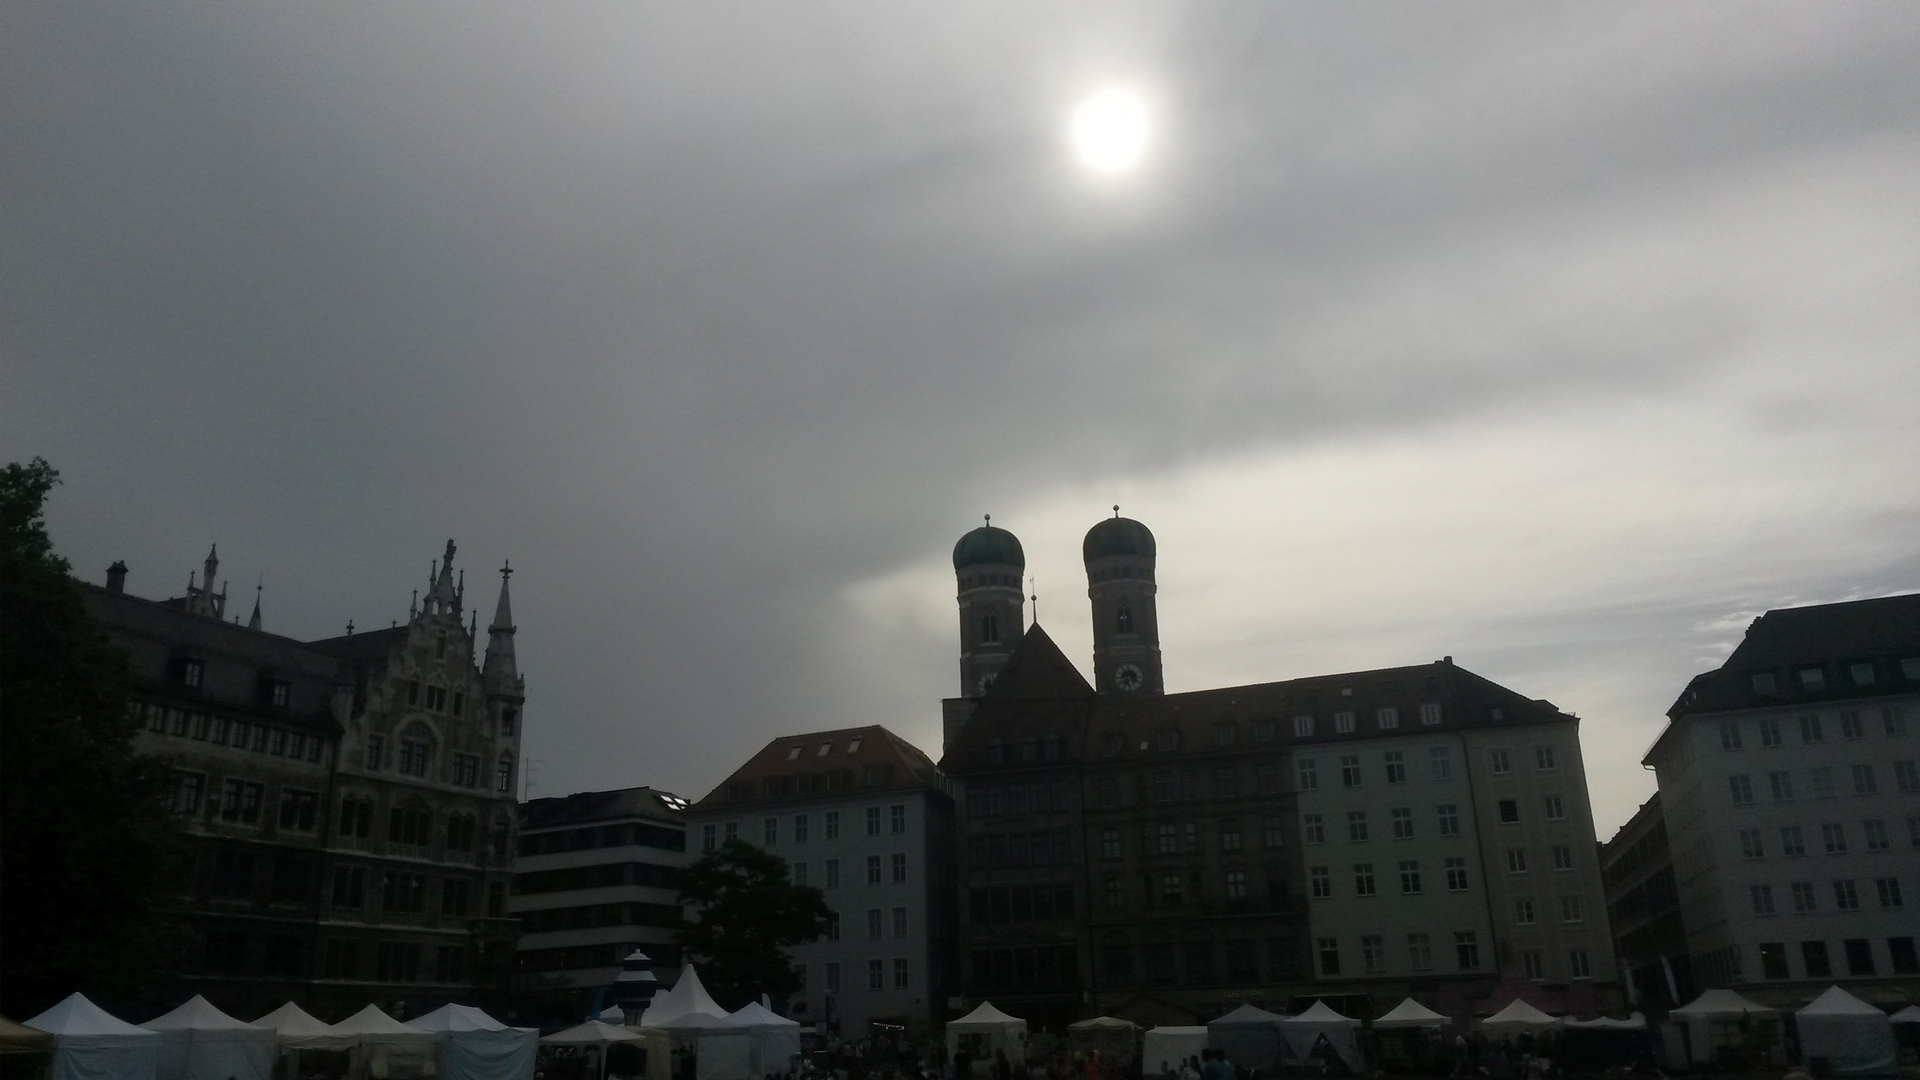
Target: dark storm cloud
[703, 315]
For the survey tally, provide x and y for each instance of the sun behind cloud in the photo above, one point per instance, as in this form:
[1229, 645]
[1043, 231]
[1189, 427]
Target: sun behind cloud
[1109, 131]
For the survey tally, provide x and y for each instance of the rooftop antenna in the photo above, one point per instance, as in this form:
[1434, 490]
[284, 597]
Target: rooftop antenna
[1033, 582]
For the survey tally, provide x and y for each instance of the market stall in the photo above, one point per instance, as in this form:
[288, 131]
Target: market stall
[88, 1043]
[1249, 1036]
[199, 1042]
[475, 1046]
[1721, 1026]
[1853, 1037]
[1517, 1018]
[1341, 1033]
[387, 1049]
[1116, 1041]
[1162, 1049]
[599, 1037]
[776, 1038]
[984, 1032]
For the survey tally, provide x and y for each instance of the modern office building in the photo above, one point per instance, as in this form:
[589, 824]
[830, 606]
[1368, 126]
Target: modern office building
[597, 877]
[348, 802]
[1790, 792]
[1361, 836]
[863, 816]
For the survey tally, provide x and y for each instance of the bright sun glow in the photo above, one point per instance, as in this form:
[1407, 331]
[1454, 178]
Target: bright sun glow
[1110, 130]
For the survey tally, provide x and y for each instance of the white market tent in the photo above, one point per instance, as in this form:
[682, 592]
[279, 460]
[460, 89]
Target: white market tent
[995, 1030]
[1341, 1032]
[475, 1046]
[1851, 1034]
[776, 1039]
[1249, 1036]
[1162, 1049]
[295, 1029]
[613, 1014]
[723, 1049]
[386, 1048]
[89, 1044]
[199, 1042]
[599, 1034]
[1115, 1040]
[1908, 1015]
[1721, 1005]
[1410, 1014]
[1519, 1016]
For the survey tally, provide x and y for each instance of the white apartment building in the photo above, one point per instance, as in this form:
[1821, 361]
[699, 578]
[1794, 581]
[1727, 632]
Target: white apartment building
[597, 876]
[1790, 783]
[1445, 859]
[866, 818]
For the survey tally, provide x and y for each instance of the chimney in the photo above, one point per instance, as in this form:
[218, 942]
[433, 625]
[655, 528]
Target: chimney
[117, 576]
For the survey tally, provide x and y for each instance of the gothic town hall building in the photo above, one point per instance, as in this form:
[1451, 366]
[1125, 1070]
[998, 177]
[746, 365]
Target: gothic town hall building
[1357, 837]
[348, 803]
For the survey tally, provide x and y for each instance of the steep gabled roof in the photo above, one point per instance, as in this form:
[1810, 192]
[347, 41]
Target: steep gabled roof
[795, 761]
[1038, 694]
[1881, 632]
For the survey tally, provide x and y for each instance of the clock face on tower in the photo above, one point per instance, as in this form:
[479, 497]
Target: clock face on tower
[1128, 677]
[985, 680]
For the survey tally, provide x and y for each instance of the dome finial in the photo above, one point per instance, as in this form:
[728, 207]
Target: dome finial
[989, 518]
[1116, 509]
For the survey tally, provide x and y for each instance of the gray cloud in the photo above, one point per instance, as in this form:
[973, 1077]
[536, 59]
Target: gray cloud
[708, 318]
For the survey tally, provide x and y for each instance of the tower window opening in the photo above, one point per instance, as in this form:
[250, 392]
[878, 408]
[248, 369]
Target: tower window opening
[1123, 619]
[989, 630]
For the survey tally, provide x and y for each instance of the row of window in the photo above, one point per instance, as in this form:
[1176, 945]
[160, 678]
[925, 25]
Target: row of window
[1020, 851]
[1025, 969]
[1419, 954]
[414, 826]
[1320, 878]
[1183, 837]
[1833, 838]
[810, 783]
[877, 923]
[1446, 817]
[589, 916]
[1864, 779]
[598, 876]
[1806, 898]
[1385, 718]
[801, 830]
[1811, 727]
[1813, 677]
[400, 892]
[1174, 888]
[227, 731]
[1019, 903]
[1196, 963]
[1816, 963]
[415, 758]
[892, 871]
[392, 961]
[877, 975]
[244, 802]
[1001, 800]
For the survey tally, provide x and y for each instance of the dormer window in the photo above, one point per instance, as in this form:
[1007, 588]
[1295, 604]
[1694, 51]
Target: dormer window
[853, 747]
[793, 753]
[1862, 674]
[1223, 735]
[825, 749]
[1813, 678]
[1763, 682]
[278, 693]
[191, 672]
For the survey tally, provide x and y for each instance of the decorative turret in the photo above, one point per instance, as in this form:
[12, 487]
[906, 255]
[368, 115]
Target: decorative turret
[253, 621]
[499, 670]
[202, 600]
[989, 567]
[1120, 554]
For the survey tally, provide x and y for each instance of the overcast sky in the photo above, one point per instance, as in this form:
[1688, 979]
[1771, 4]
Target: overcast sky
[1562, 339]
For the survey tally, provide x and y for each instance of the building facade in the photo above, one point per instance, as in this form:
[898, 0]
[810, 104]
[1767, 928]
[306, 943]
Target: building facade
[1643, 905]
[597, 877]
[863, 816]
[348, 802]
[1360, 836]
[1790, 792]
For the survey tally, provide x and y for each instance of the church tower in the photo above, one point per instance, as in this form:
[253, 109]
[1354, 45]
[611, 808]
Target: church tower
[990, 569]
[1119, 554]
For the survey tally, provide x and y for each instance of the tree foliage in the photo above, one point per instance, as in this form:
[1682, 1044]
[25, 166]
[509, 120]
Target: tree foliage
[748, 915]
[86, 842]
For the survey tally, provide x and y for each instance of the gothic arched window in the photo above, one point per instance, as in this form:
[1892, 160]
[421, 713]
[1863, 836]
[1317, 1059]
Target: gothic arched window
[1123, 619]
[989, 629]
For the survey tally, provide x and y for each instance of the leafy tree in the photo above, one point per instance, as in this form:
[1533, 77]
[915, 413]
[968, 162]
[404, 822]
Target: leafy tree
[748, 915]
[87, 844]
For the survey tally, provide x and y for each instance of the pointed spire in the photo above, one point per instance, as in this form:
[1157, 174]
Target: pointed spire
[253, 621]
[213, 564]
[499, 669]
